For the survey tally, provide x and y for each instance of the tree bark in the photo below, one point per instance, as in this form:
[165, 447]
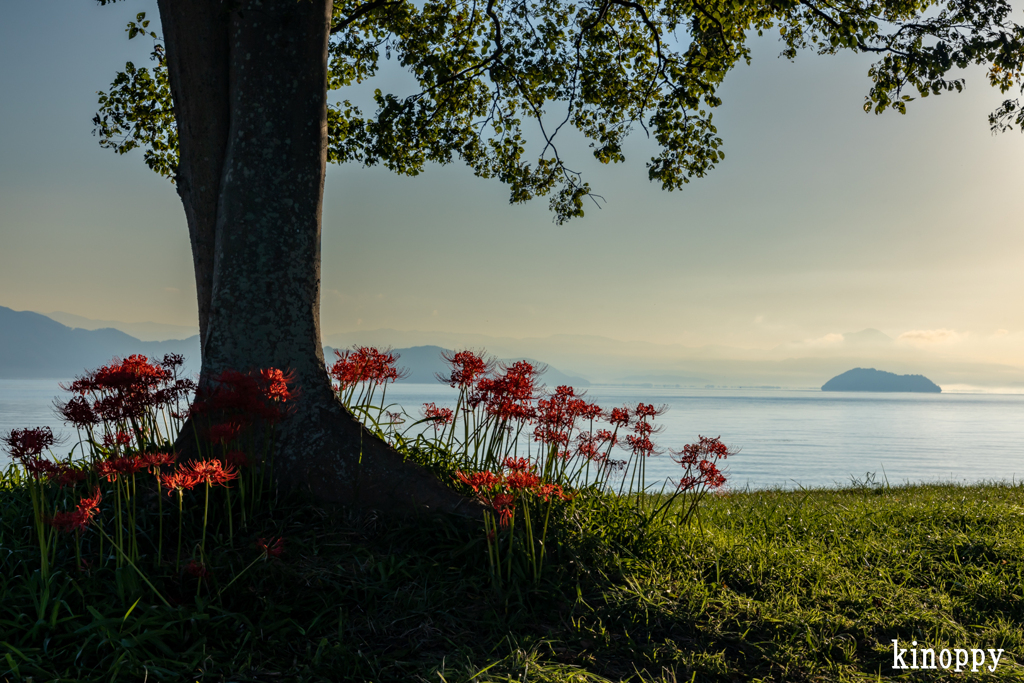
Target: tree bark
[249, 83]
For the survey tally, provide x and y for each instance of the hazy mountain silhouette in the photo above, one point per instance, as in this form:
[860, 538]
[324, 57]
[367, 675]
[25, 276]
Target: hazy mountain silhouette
[869, 379]
[145, 331]
[33, 346]
[868, 337]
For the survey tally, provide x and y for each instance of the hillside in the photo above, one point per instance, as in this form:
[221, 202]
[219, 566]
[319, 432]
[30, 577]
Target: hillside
[869, 379]
[33, 346]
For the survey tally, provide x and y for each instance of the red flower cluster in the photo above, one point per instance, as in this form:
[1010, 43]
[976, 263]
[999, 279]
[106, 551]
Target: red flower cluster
[468, 367]
[114, 467]
[619, 417]
[79, 518]
[509, 396]
[155, 460]
[78, 412]
[28, 443]
[639, 441]
[698, 461]
[224, 432]
[595, 447]
[197, 569]
[118, 438]
[213, 472]
[56, 472]
[499, 491]
[125, 389]
[236, 459]
[479, 481]
[182, 480]
[365, 364]
[443, 416]
[557, 416]
[274, 384]
[235, 400]
[271, 547]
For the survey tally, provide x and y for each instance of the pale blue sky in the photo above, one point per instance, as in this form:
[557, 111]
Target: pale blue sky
[821, 221]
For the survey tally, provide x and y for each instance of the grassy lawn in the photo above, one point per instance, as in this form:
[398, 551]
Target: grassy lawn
[762, 586]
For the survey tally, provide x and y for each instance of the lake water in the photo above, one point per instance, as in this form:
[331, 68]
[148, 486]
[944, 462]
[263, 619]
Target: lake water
[786, 438]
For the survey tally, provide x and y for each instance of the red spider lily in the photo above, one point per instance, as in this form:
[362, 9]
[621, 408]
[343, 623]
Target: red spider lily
[711, 475]
[239, 397]
[366, 364]
[648, 410]
[479, 480]
[595, 447]
[114, 467]
[59, 473]
[588, 446]
[28, 443]
[505, 505]
[467, 368]
[619, 417]
[106, 468]
[79, 518]
[641, 445]
[699, 462]
[274, 384]
[520, 480]
[640, 440]
[213, 472]
[182, 480]
[77, 411]
[510, 396]
[155, 460]
[444, 416]
[197, 569]
[39, 467]
[118, 438]
[172, 392]
[224, 432]
[546, 491]
[126, 387]
[517, 464]
[172, 361]
[236, 459]
[68, 476]
[705, 449]
[395, 418]
[557, 415]
[130, 374]
[272, 547]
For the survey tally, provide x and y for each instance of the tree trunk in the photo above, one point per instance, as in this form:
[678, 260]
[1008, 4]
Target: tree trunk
[249, 83]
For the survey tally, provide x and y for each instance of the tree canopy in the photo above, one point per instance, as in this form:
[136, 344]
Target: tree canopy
[498, 82]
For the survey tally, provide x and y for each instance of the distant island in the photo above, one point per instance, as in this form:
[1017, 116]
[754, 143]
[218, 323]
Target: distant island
[869, 379]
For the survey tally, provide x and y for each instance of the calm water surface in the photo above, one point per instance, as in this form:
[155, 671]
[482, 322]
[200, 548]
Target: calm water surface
[785, 438]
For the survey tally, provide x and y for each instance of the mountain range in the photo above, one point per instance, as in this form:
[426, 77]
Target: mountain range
[41, 347]
[34, 346]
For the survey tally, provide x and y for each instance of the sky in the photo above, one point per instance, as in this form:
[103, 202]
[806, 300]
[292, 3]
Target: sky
[822, 221]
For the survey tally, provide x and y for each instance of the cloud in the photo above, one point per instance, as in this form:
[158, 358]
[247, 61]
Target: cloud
[831, 338]
[930, 337]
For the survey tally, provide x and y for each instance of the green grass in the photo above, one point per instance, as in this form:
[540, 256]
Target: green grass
[766, 586]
